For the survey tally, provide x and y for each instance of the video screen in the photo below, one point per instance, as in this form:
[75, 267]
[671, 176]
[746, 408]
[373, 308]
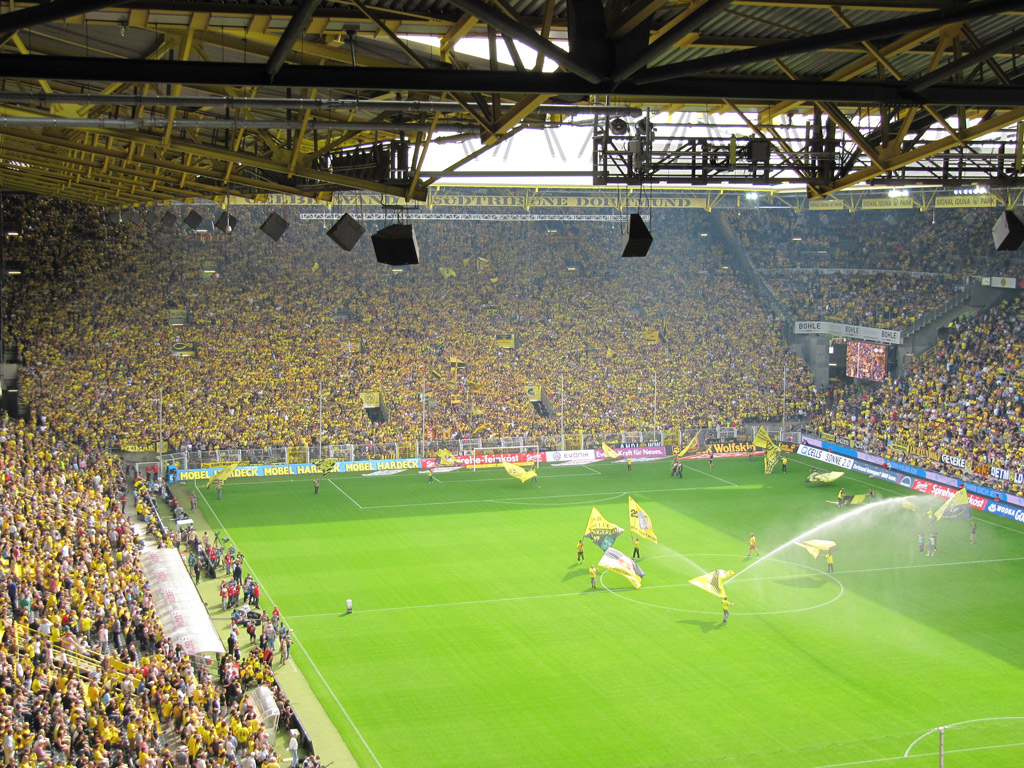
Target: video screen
[865, 360]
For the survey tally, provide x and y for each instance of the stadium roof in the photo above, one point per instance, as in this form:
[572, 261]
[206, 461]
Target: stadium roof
[129, 103]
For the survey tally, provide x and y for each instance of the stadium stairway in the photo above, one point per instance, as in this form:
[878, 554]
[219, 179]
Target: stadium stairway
[927, 331]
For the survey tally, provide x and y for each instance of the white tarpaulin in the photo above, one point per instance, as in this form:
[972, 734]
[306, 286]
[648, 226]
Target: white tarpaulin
[177, 603]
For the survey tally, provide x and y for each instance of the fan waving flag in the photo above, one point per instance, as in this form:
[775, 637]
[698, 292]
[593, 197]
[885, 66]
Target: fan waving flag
[618, 562]
[761, 438]
[600, 531]
[713, 582]
[223, 475]
[609, 452]
[817, 546]
[640, 522]
[955, 507]
[694, 444]
[522, 475]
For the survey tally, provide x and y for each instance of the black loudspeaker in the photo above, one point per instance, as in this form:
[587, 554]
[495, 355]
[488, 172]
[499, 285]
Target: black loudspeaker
[346, 232]
[226, 222]
[274, 226]
[193, 218]
[396, 245]
[112, 217]
[169, 220]
[150, 217]
[638, 238]
[1008, 232]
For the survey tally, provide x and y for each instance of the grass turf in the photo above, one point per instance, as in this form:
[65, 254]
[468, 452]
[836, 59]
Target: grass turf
[476, 639]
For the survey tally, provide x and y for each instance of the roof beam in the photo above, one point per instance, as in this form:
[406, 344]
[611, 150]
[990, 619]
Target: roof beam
[519, 31]
[296, 26]
[905, 24]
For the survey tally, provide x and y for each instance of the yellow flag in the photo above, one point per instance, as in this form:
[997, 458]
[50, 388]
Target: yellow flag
[713, 582]
[609, 452]
[640, 522]
[600, 531]
[326, 466]
[771, 458]
[956, 506]
[761, 439]
[518, 472]
[817, 546]
[694, 443]
[817, 476]
[224, 474]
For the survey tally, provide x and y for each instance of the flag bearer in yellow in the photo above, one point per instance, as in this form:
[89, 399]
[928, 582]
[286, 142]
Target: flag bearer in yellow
[629, 464]
[829, 560]
[725, 609]
[579, 551]
[636, 547]
[753, 545]
[593, 577]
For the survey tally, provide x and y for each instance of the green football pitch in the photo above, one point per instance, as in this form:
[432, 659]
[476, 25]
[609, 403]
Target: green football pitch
[477, 640]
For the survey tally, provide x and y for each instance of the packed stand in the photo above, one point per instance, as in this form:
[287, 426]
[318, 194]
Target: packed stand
[89, 678]
[962, 401]
[286, 329]
[882, 269]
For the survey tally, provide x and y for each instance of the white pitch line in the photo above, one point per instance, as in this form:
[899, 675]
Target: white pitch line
[343, 493]
[539, 499]
[1015, 529]
[714, 477]
[908, 567]
[896, 758]
[953, 725]
[646, 587]
[309, 658]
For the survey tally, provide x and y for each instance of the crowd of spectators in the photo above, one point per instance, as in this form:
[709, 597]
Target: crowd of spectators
[280, 327]
[958, 409]
[88, 677]
[883, 269]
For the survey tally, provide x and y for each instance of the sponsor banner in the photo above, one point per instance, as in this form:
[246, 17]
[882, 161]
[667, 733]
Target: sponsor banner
[291, 470]
[1005, 510]
[829, 458]
[886, 203]
[997, 502]
[945, 492]
[1000, 282]
[862, 332]
[569, 456]
[642, 452]
[827, 204]
[965, 201]
[492, 459]
[877, 472]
